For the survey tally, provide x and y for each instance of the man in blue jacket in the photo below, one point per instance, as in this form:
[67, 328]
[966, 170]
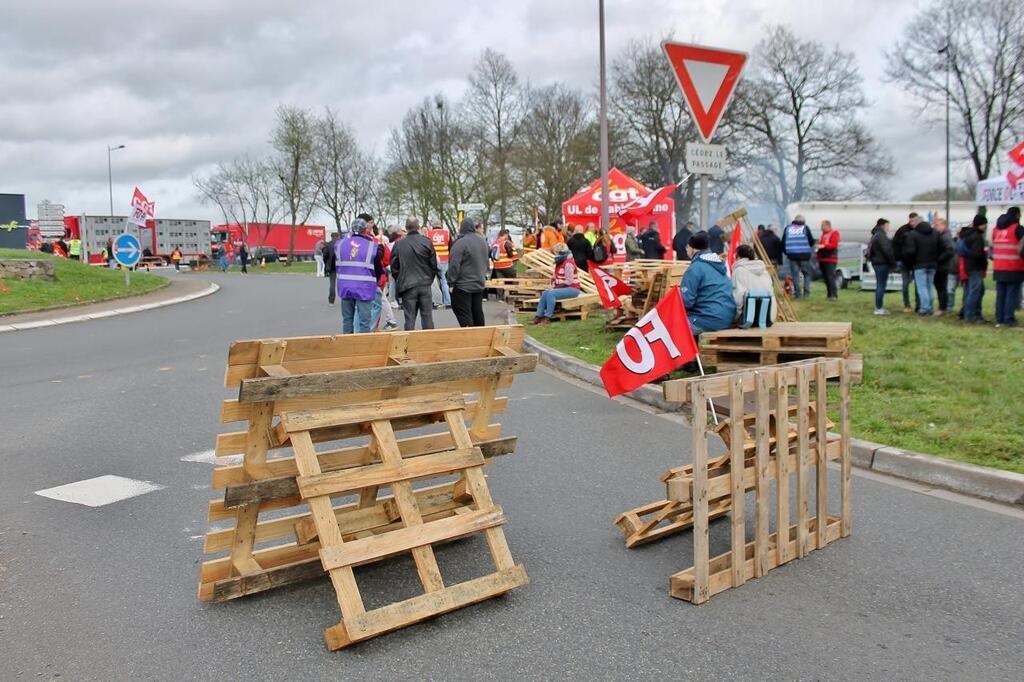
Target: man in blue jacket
[706, 289]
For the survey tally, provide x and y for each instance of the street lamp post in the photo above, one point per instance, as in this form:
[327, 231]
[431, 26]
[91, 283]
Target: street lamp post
[110, 176]
[603, 126]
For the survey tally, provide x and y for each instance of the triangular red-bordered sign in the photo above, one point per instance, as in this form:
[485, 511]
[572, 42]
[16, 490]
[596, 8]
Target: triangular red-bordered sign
[708, 77]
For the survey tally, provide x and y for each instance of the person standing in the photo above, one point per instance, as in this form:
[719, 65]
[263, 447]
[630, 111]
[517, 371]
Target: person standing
[633, 249]
[828, 258]
[112, 262]
[883, 260]
[565, 283]
[330, 266]
[551, 235]
[75, 248]
[468, 265]
[1008, 265]
[591, 233]
[923, 250]
[797, 243]
[359, 264]
[318, 256]
[223, 257]
[581, 249]
[681, 239]
[441, 238]
[716, 242]
[243, 257]
[531, 240]
[899, 240]
[604, 248]
[504, 256]
[175, 258]
[945, 268]
[650, 242]
[414, 267]
[772, 246]
[971, 250]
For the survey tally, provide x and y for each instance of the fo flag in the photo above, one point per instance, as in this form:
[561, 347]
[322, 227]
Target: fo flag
[1016, 173]
[609, 287]
[142, 209]
[659, 343]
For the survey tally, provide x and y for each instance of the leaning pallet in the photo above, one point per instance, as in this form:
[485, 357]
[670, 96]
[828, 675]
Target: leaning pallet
[769, 439]
[415, 529]
[277, 377]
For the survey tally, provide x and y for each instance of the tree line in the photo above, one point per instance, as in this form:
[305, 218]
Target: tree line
[794, 131]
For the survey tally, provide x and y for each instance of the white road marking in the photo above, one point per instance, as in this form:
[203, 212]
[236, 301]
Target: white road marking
[210, 457]
[96, 492]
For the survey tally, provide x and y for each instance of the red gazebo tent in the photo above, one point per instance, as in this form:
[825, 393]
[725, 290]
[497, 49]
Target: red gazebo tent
[585, 207]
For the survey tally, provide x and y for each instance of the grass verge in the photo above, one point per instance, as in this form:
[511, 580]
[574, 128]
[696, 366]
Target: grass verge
[932, 385]
[75, 284]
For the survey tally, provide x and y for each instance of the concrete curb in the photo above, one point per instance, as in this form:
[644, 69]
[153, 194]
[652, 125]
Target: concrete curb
[968, 479]
[83, 317]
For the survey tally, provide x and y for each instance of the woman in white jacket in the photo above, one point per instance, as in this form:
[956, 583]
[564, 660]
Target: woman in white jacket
[750, 274]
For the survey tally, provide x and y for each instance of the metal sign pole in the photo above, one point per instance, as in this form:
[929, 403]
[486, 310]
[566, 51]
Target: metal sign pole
[705, 203]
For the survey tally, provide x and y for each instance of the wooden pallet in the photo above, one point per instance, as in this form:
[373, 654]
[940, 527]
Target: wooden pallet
[415, 528]
[543, 262]
[779, 438]
[831, 338]
[651, 282]
[277, 376]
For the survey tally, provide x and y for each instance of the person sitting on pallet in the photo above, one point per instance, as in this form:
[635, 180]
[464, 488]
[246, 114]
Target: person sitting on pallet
[706, 289]
[752, 290]
[565, 283]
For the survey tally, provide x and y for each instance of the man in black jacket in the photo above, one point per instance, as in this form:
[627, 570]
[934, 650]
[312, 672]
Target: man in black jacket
[772, 245]
[906, 269]
[924, 250]
[414, 267]
[971, 247]
[331, 266]
[681, 239]
[468, 267]
[650, 242]
[580, 247]
[883, 260]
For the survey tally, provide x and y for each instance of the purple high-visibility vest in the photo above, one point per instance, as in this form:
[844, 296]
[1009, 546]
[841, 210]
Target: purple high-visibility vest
[354, 256]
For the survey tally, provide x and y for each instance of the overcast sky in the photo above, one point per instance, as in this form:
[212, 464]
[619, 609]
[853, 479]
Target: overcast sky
[189, 83]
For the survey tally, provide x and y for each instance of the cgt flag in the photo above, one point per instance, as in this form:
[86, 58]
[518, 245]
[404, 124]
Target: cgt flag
[1016, 173]
[659, 343]
[609, 287]
[142, 209]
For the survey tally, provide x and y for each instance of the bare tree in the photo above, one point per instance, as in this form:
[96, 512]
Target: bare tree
[496, 107]
[214, 190]
[244, 191]
[293, 143]
[983, 43]
[335, 163]
[556, 155]
[651, 121]
[796, 118]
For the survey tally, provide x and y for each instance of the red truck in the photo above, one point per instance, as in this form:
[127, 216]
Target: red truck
[270, 241]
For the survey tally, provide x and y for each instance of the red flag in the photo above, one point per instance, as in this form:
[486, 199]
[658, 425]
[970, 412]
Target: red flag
[659, 343]
[609, 287]
[1016, 174]
[734, 243]
[642, 206]
[142, 209]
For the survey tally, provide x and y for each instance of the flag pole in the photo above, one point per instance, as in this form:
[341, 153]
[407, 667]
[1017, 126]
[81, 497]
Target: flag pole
[603, 116]
[711, 404]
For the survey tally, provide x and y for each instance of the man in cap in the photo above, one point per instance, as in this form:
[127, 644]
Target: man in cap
[359, 264]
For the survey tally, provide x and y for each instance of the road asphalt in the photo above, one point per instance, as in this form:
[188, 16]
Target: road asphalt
[926, 587]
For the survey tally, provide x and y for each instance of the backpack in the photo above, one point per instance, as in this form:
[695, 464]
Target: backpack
[495, 252]
[757, 305]
[600, 253]
[961, 247]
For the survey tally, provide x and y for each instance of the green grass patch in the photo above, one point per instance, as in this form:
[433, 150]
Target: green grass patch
[933, 385]
[278, 268]
[76, 284]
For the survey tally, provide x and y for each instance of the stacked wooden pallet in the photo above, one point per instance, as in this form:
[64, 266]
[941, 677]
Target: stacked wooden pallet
[338, 390]
[651, 280]
[782, 342]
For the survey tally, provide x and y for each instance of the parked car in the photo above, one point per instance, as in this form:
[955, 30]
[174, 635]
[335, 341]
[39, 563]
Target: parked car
[260, 253]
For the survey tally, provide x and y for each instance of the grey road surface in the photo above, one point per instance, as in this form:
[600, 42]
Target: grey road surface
[925, 588]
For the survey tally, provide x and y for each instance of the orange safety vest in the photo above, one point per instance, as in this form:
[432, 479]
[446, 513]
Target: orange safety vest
[1006, 250]
[504, 261]
[440, 238]
[176, 255]
[549, 237]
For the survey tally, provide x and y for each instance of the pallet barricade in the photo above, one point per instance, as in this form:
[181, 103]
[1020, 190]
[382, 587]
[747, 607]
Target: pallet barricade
[651, 281]
[762, 448]
[542, 262]
[305, 378]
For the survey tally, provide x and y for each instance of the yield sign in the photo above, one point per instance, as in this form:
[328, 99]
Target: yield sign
[708, 77]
